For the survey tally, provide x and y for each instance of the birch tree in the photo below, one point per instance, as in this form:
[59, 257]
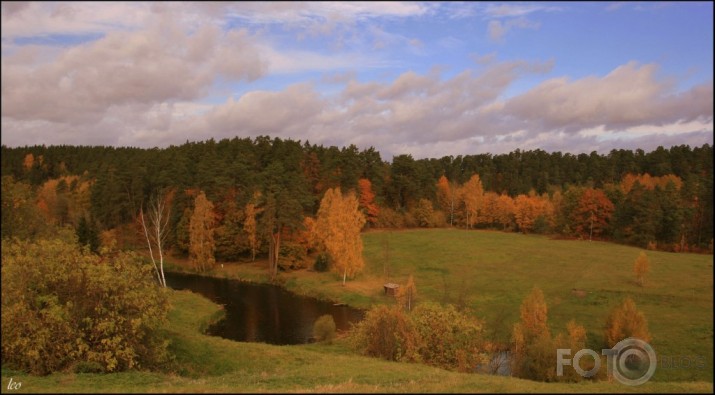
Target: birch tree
[472, 194]
[156, 227]
[338, 226]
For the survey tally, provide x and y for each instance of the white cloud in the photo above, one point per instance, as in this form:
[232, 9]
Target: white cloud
[628, 96]
[145, 79]
[498, 29]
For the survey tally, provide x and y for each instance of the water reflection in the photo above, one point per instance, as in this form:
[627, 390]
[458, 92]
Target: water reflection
[261, 312]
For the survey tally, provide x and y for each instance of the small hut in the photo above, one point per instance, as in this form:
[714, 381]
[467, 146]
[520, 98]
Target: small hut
[391, 288]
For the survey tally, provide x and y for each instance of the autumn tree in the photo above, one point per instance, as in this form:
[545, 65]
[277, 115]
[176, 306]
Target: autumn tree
[641, 267]
[533, 313]
[21, 218]
[505, 211]
[626, 321]
[406, 295]
[367, 201]
[446, 195]
[489, 212]
[574, 339]
[338, 226]
[472, 194]
[201, 231]
[592, 214]
[525, 212]
[156, 228]
[533, 346]
[424, 213]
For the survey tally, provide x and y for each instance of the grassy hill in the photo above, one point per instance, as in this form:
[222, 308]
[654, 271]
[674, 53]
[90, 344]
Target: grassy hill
[211, 364]
[488, 272]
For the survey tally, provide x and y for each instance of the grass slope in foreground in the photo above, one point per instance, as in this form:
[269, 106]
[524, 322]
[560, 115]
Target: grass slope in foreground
[211, 364]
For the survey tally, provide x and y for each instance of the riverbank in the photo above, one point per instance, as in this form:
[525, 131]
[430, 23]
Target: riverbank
[361, 294]
[490, 273]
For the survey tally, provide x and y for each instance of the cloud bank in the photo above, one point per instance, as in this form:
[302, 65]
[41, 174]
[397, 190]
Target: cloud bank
[158, 78]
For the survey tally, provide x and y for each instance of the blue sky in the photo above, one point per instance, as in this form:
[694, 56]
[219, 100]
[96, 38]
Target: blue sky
[429, 79]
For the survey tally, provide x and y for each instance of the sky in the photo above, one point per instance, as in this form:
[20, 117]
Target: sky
[430, 79]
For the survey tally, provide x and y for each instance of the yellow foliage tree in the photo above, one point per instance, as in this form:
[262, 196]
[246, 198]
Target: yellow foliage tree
[338, 227]
[406, 295]
[201, 233]
[533, 345]
[626, 321]
[533, 313]
[472, 195]
[641, 267]
[445, 197]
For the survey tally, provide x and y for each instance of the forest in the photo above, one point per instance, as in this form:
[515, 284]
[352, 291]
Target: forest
[261, 187]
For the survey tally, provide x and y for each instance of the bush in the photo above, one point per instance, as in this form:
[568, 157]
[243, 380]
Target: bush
[324, 328]
[388, 333]
[292, 256]
[62, 305]
[450, 339]
[423, 213]
[389, 218]
[322, 263]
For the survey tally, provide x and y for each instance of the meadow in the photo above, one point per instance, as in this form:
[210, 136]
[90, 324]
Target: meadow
[211, 364]
[488, 273]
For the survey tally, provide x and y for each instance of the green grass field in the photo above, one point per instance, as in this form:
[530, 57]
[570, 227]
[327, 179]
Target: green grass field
[210, 364]
[492, 272]
[488, 272]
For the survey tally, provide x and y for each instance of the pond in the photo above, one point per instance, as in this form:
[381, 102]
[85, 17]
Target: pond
[263, 312]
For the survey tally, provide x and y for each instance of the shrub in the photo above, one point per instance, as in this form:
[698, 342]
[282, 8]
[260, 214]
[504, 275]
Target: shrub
[322, 263]
[324, 328]
[449, 338]
[423, 213]
[292, 256]
[62, 305]
[388, 333]
[389, 218]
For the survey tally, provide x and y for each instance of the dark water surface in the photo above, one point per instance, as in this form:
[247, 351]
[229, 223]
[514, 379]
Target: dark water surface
[263, 312]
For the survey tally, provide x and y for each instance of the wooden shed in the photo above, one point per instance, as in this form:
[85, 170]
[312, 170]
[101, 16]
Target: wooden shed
[391, 288]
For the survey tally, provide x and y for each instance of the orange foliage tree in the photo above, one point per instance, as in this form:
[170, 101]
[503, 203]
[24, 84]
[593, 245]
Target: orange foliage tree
[471, 195]
[626, 321]
[592, 214]
[201, 233]
[533, 347]
[505, 211]
[367, 201]
[526, 210]
[641, 267]
[64, 200]
[446, 196]
[338, 227]
[649, 182]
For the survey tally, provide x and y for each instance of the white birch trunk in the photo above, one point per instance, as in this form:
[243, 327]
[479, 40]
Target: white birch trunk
[148, 242]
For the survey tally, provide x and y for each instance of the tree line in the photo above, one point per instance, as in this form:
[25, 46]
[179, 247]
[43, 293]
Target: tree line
[264, 194]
